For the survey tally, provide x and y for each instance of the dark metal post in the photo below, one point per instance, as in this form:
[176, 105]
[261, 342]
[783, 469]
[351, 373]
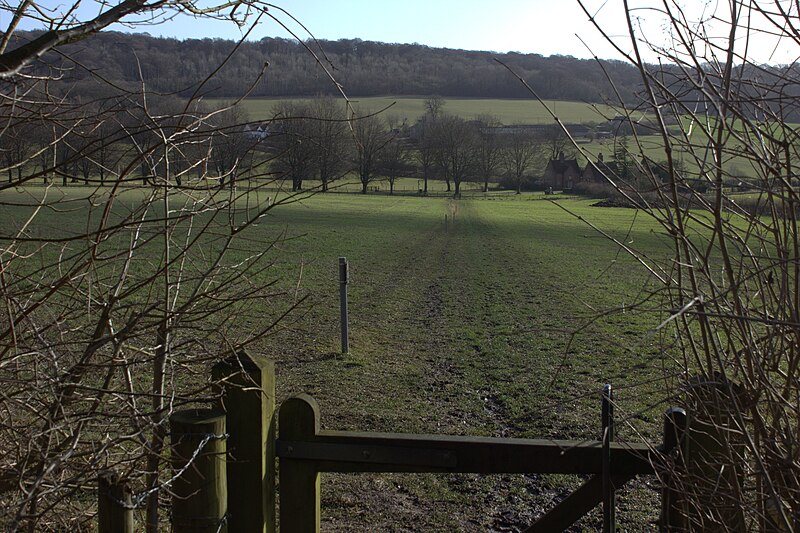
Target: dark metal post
[609, 499]
[344, 276]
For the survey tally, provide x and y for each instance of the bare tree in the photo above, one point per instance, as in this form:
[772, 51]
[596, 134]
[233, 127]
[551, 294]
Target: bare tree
[730, 289]
[230, 144]
[15, 145]
[369, 138]
[556, 140]
[489, 149]
[114, 299]
[434, 106]
[329, 136]
[456, 141]
[426, 150]
[293, 143]
[521, 151]
[393, 159]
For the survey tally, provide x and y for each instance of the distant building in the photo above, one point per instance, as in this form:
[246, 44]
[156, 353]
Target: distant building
[596, 170]
[562, 173]
[258, 132]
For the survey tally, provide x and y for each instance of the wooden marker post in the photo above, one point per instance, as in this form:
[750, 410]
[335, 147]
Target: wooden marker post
[344, 277]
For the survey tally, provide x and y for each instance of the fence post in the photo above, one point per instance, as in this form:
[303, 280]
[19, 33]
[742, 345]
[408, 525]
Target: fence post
[114, 504]
[249, 403]
[298, 420]
[673, 516]
[199, 492]
[714, 457]
[609, 498]
[344, 278]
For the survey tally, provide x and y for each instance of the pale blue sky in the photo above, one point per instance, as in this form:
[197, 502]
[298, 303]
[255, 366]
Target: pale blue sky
[545, 27]
[540, 26]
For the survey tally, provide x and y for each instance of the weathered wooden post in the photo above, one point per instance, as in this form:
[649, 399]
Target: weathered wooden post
[609, 498]
[714, 457]
[344, 278]
[249, 404]
[298, 421]
[673, 514]
[199, 501]
[114, 504]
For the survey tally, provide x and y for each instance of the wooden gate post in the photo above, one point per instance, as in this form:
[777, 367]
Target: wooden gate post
[298, 420]
[249, 403]
[714, 457]
[673, 515]
[114, 504]
[199, 492]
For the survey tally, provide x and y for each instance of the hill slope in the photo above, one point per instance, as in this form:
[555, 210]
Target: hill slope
[364, 68]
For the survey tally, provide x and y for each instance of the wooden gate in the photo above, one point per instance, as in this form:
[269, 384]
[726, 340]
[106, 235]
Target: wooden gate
[305, 451]
[224, 462]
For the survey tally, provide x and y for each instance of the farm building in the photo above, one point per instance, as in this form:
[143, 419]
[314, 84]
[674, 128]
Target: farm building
[562, 173]
[596, 170]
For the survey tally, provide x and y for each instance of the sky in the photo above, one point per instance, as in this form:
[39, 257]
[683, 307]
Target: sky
[546, 27]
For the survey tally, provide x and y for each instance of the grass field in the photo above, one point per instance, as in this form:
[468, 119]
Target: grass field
[482, 328]
[410, 109]
[492, 324]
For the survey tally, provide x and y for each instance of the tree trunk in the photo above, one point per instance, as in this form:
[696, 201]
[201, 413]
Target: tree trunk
[447, 181]
[364, 187]
[486, 184]
[391, 187]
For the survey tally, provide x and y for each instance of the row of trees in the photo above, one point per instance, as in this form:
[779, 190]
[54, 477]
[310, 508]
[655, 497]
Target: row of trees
[110, 142]
[307, 140]
[319, 140]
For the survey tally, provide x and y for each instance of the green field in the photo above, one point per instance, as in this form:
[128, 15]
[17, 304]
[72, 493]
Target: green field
[491, 323]
[481, 327]
[410, 109]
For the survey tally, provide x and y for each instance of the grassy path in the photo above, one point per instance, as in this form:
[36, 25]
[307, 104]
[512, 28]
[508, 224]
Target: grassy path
[459, 331]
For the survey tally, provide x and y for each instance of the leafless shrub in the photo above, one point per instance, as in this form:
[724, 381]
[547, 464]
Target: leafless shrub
[730, 292]
[126, 266]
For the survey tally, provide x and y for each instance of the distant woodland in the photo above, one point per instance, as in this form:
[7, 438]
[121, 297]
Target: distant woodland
[363, 68]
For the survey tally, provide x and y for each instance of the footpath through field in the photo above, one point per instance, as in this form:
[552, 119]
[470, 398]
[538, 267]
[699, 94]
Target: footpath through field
[467, 327]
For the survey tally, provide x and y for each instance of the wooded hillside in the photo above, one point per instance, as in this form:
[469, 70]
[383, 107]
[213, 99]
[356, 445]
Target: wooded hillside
[364, 68]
